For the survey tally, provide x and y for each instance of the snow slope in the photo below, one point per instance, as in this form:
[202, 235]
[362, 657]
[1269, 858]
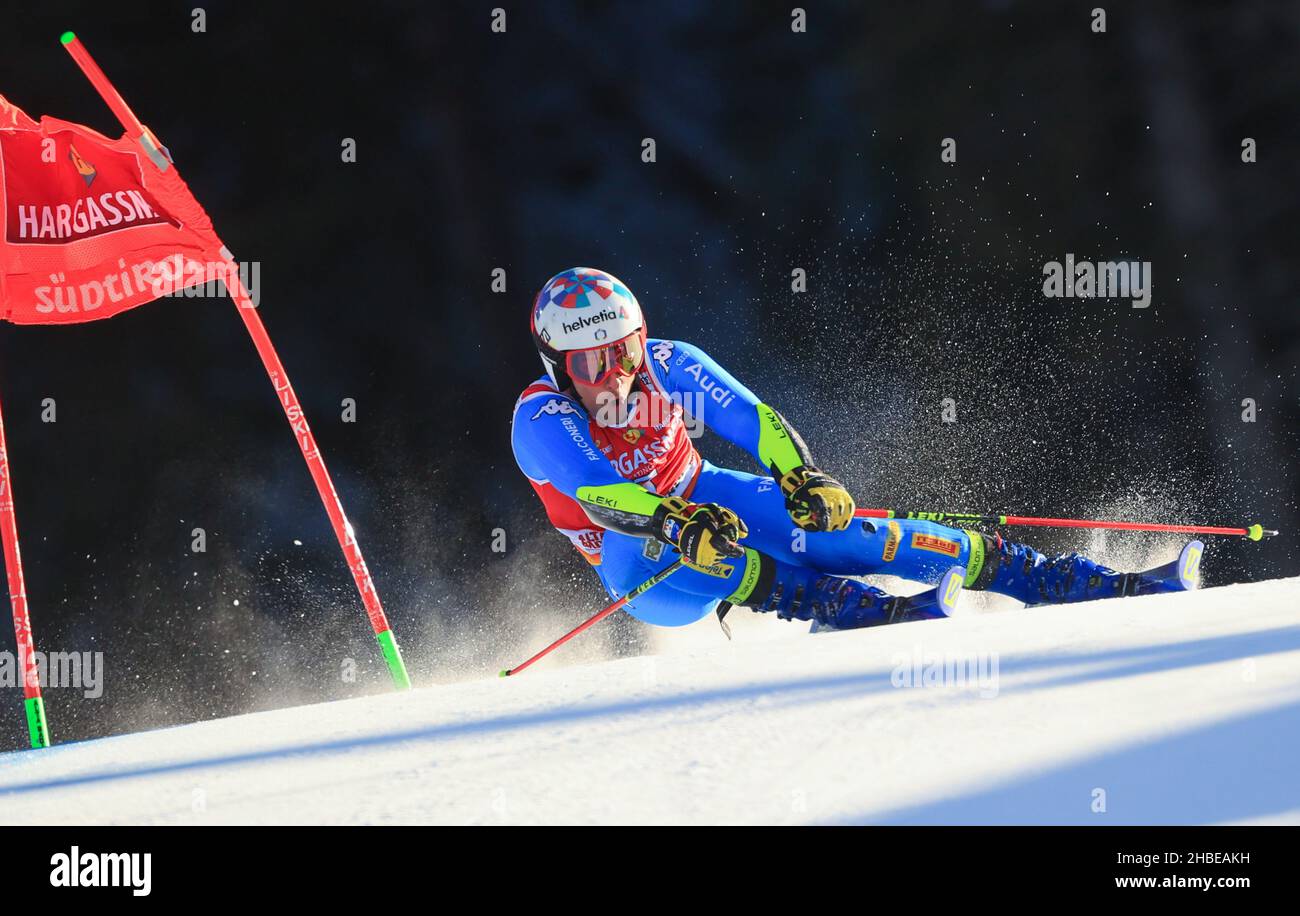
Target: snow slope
[1167, 709]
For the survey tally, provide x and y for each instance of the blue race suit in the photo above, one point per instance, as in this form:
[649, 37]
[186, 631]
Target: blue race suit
[571, 458]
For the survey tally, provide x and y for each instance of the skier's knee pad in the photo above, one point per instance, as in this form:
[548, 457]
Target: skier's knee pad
[793, 592]
[755, 582]
[985, 556]
[767, 584]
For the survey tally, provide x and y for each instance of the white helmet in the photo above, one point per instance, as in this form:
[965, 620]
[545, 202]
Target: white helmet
[582, 309]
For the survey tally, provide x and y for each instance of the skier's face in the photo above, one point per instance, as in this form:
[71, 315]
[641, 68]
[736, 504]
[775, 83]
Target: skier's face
[605, 373]
[616, 387]
[594, 365]
[611, 391]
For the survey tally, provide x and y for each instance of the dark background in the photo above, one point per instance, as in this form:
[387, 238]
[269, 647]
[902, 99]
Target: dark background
[522, 151]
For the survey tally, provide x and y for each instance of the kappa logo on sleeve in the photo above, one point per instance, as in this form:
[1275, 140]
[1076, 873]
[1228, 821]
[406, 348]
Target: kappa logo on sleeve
[555, 406]
[662, 353]
[936, 544]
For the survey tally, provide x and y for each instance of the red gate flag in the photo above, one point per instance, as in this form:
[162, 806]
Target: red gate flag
[91, 228]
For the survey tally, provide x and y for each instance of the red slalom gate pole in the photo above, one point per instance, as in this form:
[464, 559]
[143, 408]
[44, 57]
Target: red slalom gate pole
[592, 621]
[37, 728]
[319, 474]
[1253, 532]
[279, 379]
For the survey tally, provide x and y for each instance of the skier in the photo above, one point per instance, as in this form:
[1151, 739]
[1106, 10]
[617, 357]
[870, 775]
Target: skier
[605, 440]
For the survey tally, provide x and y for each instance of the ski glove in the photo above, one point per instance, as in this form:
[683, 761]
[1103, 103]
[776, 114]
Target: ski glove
[702, 533]
[816, 501]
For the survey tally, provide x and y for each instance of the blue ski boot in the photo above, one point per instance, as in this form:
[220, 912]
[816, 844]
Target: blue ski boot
[837, 603]
[1025, 574]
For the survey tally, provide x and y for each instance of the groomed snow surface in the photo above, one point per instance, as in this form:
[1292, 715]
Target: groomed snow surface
[1169, 709]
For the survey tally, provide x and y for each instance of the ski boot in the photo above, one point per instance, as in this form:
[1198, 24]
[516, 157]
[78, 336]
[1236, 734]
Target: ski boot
[1025, 574]
[837, 603]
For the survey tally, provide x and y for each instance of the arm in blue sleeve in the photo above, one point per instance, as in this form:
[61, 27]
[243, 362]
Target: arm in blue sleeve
[551, 442]
[713, 396]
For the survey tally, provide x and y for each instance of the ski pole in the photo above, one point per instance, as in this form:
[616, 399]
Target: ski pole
[1254, 532]
[640, 589]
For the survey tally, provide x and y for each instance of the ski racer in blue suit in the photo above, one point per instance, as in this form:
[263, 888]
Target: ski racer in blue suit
[605, 439]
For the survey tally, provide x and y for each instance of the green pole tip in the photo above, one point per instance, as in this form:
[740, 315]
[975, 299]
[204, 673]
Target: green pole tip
[38, 729]
[504, 672]
[1255, 532]
[67, 38]
[393, 656]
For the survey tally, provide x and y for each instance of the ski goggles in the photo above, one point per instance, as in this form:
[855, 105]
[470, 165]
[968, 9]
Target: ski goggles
[594, 366]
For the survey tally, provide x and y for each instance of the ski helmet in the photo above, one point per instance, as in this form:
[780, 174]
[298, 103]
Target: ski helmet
[584, 309]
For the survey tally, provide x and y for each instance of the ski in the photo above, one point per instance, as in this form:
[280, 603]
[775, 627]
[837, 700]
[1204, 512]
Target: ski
[1181, 575]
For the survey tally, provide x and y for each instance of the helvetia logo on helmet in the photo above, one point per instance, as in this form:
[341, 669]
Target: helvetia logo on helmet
[605, 315]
